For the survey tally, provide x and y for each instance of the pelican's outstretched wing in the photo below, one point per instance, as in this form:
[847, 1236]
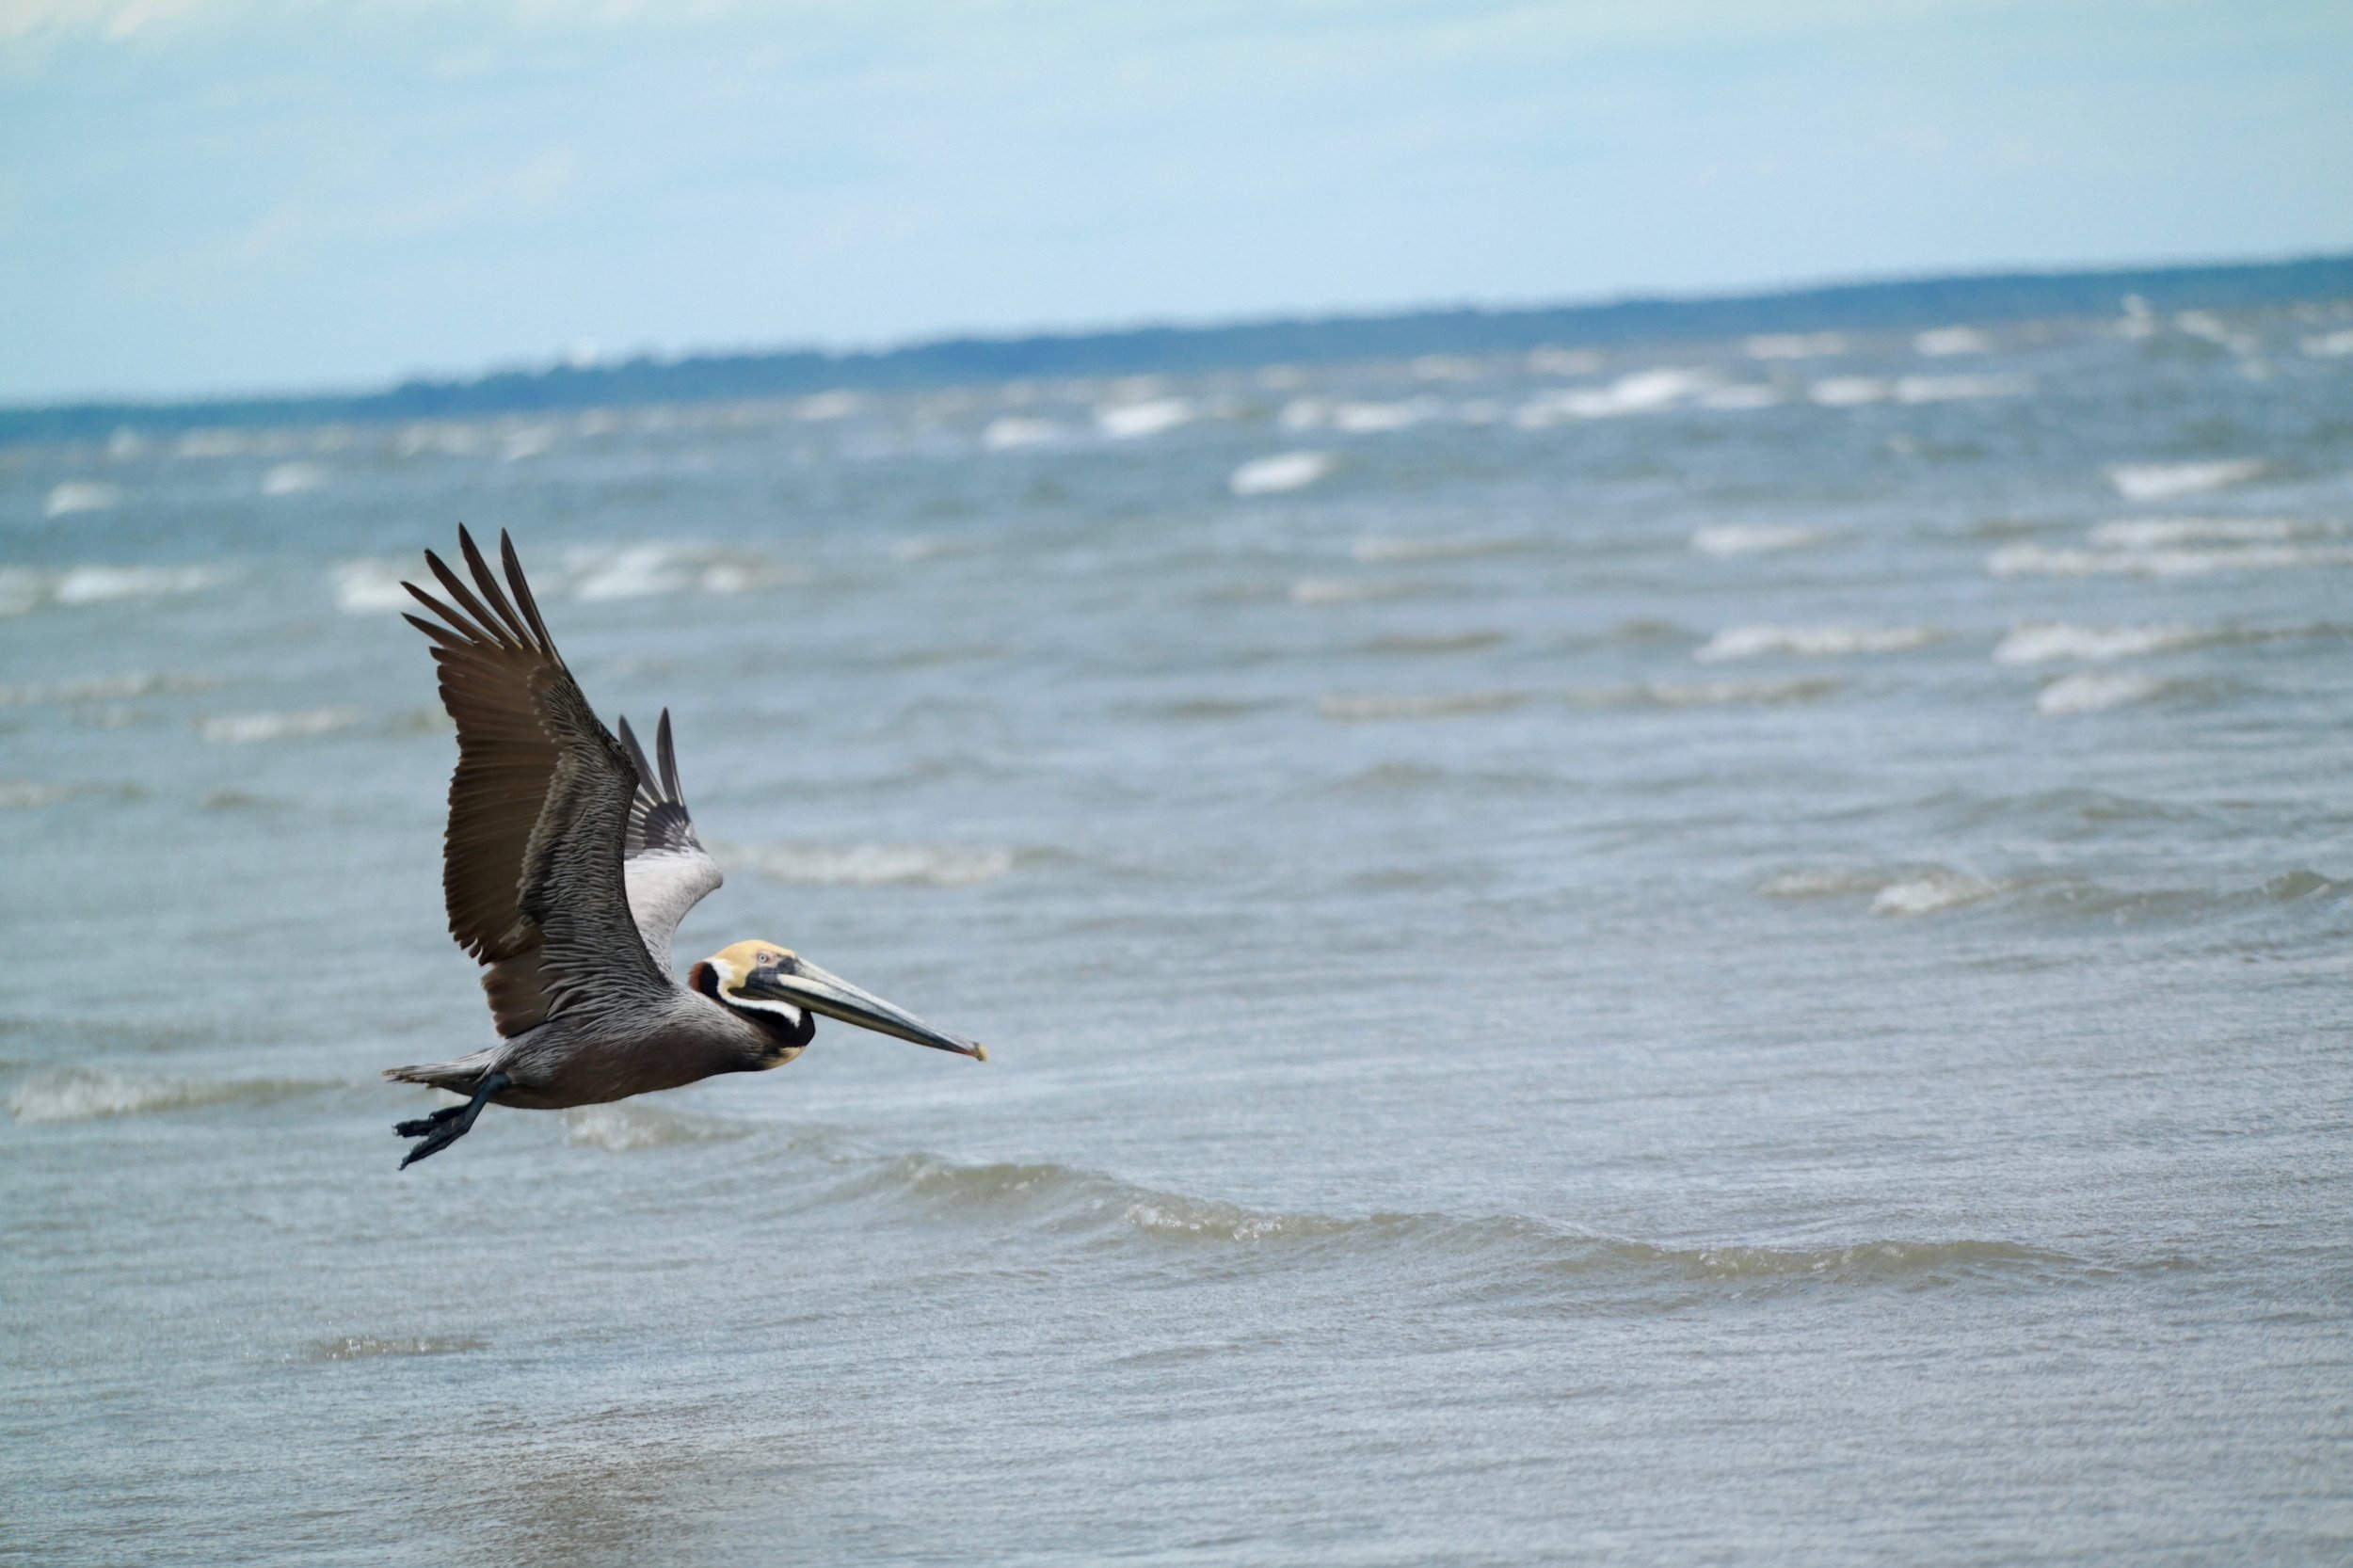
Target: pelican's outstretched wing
[667, 868]
[538, 809]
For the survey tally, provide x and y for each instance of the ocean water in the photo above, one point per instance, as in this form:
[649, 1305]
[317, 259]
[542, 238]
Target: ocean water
[1713, 953]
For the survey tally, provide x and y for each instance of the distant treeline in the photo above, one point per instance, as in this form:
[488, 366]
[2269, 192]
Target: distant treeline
[704, 377]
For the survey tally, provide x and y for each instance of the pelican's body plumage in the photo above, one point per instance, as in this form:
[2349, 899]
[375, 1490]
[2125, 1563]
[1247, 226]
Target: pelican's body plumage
[569, 861]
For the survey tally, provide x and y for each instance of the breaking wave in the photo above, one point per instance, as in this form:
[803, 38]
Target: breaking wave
[91, 1094]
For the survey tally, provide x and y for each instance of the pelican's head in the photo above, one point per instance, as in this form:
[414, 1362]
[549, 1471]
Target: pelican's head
[776, 985]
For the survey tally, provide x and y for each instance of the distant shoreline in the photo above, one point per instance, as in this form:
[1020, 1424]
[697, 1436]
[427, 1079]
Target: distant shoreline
[1887, 305]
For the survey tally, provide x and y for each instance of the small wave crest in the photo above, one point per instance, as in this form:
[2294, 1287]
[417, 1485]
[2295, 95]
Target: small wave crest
[1284, 471]
[1815, 642]
[1705, 694]
[2035, 560]
[248, 729]
[1538, 1253]
[2091, 691]
[23, 588]
[2159, 481]
[1754, 538]
[1893, 891]
[876, 864]
[627, 1124]
[92, 1093]
[368, 1347]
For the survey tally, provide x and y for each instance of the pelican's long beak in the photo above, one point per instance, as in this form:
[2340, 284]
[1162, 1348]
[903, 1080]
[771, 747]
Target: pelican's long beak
[813, 988]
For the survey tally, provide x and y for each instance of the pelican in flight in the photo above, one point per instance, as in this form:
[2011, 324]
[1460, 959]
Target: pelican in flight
[569, 863]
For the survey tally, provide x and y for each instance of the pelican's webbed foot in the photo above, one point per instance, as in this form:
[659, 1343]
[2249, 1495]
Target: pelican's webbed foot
[443, 1128]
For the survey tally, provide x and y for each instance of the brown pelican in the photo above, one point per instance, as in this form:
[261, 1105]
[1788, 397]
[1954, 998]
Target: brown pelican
[569, 863]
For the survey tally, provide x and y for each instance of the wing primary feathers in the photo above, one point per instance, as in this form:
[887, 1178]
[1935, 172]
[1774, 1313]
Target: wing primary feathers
[488, 629]
[522, 596]
[670, 790]
[490, 590]
[636, 752]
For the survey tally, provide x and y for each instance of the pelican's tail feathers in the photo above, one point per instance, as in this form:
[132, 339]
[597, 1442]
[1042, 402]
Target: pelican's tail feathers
[459, 1076]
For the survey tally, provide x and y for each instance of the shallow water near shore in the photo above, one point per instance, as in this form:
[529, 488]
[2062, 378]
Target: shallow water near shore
[1717, 952]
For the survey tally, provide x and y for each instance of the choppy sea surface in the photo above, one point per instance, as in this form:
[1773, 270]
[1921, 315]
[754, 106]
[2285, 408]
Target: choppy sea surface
[1717, 953]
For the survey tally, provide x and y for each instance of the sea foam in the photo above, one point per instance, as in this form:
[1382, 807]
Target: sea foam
[1284, 471]
[2160, 481]
[1813, 642]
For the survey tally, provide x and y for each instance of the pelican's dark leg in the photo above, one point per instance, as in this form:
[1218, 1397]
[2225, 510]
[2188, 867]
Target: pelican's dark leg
[443, 1128]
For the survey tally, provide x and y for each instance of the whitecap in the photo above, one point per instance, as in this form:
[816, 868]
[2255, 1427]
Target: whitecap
[1931, 892]
[1848, 391]
[2158, 481]
[79, 495]
[2330, 346]
[247, 728]
[1938, 342]
[1795, 346]
[1376, 706]
[1015, 431]
[1751, 538]
[1129, 420]
[594, 572]
[1372, 419]
[1643, 392]
[1284, 471]
[102, 585]
[1445, 367]
[292, 478]
[531, 441]
[1304, 413]
[2042, 641]
[2091, 691]
[368, 588]
[876, 864]
[1813, 642]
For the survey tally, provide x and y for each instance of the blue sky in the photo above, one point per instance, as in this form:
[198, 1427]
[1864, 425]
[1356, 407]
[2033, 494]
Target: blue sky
[227, 195]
